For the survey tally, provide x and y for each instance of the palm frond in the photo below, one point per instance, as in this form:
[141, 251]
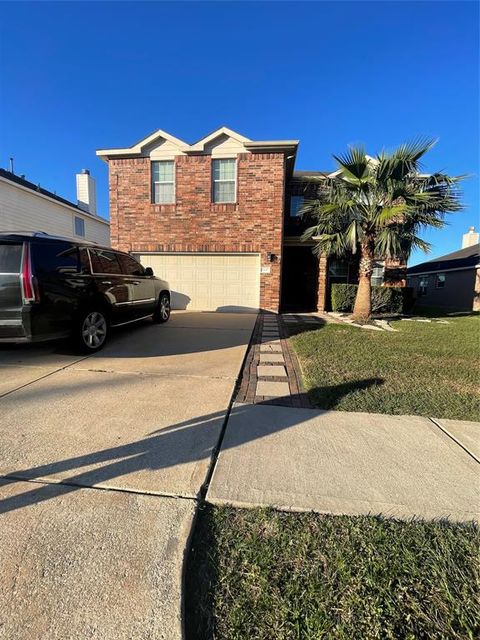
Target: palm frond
[386, 198]
[354, 165]
[403, 161]
[393, 213]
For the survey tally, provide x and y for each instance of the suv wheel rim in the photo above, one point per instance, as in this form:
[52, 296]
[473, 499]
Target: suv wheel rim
[94, 330]
[164, 308]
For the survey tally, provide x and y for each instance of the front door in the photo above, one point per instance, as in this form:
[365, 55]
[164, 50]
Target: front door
[299, 279]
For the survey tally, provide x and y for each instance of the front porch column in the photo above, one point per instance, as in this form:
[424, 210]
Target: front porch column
[322, 283]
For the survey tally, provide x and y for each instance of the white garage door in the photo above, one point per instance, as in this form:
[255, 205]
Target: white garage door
[209, 282]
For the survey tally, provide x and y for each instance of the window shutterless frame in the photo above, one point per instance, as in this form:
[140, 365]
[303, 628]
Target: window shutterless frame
[440, 279]
[223, 180]
[81, 226]
[154, 165]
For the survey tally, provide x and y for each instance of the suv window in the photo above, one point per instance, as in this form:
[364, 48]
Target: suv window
[105, 261]
[130, 266]
[10, 258]
[55, 257]
[84, 260]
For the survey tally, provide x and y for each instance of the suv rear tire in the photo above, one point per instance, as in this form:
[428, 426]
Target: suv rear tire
[91, 330]
[162, 312]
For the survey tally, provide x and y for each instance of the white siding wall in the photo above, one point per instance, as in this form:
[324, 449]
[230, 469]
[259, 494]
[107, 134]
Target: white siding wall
[165, 150]
[225, 147]
[24, 210]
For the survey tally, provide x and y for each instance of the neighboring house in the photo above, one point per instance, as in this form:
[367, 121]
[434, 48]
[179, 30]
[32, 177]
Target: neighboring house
[451, 282]
[218, 219]
[25, 206]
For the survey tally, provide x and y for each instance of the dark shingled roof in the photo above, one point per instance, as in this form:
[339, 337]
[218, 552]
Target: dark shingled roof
[8, 175]
[462, 259]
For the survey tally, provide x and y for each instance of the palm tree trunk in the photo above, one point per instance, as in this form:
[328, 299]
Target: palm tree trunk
[362, 309]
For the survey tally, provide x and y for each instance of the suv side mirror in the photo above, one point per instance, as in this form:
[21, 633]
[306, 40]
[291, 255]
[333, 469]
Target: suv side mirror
[148, 271]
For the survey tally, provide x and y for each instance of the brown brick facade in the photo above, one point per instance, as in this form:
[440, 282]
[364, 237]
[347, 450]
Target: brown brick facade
[254, 224]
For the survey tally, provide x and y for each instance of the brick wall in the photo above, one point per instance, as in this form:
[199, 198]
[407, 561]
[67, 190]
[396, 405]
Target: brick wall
[194, 223]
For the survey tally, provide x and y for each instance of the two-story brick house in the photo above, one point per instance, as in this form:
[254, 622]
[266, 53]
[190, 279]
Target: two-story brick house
[218, 219]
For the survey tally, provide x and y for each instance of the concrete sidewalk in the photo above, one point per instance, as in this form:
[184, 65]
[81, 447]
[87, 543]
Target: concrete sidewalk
[346, 463]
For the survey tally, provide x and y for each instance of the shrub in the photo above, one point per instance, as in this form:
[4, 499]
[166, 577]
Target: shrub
[343, 296]
[384, 299]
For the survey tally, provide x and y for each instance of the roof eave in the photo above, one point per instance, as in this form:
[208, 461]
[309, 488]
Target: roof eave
[273, 146]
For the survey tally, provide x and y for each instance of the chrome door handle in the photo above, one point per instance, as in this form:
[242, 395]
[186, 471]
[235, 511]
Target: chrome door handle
[106, 282]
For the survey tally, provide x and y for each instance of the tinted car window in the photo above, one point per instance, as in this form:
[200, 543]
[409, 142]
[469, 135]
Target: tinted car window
[84, 260]
[55, 257]
[130, 266]
[104, 261]
[10, 258]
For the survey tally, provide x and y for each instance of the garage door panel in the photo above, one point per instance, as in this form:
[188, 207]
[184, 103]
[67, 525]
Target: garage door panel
[209, 282]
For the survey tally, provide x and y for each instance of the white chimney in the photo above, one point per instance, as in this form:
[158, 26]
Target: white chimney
[86, 192]
[470, 238]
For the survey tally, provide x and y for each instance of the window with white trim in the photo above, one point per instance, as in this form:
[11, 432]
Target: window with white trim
[296, 202]
[378, 274]
[440, 280]
[224, 172]
[163, 182]
[79, 227]
[423, 286]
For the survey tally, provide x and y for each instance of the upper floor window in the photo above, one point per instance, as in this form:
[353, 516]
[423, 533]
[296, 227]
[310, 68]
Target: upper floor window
[440, 281]
[296, 203]
[79, 227]
[163, 182]
[224, 180]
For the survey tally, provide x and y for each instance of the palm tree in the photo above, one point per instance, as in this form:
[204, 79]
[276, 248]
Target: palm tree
[376, 207]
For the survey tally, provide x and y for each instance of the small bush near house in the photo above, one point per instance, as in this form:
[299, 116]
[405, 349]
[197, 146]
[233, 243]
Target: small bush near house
[343, 296]
[384, 299]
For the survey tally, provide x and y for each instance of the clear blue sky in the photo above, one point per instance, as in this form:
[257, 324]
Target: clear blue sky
[79, 76]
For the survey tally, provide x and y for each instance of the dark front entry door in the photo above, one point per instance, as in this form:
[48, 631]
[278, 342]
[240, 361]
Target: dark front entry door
[299, 279]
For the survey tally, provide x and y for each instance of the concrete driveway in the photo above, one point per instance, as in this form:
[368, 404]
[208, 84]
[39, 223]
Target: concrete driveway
[142, 417]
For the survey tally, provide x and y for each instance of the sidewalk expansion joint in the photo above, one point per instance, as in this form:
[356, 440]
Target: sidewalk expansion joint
[438, 424]
[15, 478]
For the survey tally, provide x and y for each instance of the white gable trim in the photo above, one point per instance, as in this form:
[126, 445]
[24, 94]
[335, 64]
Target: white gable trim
[137, 149]
[222, 131]
[240, 144]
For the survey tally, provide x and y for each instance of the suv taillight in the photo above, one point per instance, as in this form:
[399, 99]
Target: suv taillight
[29, 286]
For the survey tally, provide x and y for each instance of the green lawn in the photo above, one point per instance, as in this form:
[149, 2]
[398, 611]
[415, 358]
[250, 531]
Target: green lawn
[266, 575]
[428, 369]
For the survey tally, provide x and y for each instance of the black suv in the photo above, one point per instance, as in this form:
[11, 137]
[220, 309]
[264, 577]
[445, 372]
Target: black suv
[52, 287]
